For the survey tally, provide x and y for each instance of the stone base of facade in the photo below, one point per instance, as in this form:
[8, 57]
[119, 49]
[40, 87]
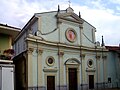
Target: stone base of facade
[37, 88]
[98, 86]
[83, 87]
[101, 85]
[63, 87]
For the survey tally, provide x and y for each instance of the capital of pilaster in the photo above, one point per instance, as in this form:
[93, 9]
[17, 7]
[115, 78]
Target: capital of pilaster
[97, 56]
[81, 26]
[61, 53]
[104, 56]
[82, 55]
[30, 50]
[59, 21]
[40, 51]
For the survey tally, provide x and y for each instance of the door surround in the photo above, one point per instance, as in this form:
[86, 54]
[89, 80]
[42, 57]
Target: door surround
[91, 82]
[50, 74]
[94, 74]
[72, 63]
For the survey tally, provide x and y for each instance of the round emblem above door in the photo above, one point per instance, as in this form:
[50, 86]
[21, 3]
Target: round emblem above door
[71, 35]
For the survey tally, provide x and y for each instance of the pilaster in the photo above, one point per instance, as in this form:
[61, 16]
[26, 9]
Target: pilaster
[98, 67]
[30, 75]
[104, 57]
[61, 68]
[40, 69]
[81, 31]
[83, 67]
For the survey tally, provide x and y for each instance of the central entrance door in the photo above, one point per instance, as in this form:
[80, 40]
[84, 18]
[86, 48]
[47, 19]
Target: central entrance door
[72, 78]
[91, 81]
[50, 82]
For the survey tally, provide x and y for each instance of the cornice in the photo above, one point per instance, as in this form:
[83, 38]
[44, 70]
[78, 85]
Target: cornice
[50, 70]
[57, 44]
[68, 19]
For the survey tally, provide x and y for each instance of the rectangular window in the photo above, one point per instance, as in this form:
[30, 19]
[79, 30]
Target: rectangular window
[109, 80]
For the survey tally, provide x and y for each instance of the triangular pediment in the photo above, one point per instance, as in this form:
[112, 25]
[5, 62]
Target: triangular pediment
[70, 17]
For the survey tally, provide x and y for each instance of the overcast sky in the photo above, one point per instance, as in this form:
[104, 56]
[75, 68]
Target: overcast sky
[102, 14]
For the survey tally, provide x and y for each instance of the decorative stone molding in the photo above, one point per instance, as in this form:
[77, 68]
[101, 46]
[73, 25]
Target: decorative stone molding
[104, 56]
[98, 57]
[50, 70]
[69, 10]
[30, 50]
[61, 53]
[50, 61]
[81, 26]
[82, 55]
[40, 51]
[90, 70]
[90, 63]
[71, 35]
[72, 61]
[59, 21]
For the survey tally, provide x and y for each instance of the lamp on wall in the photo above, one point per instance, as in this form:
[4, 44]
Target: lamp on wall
[37, 33]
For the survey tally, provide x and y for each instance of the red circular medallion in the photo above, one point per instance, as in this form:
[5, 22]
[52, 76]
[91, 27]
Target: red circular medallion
[71, 35]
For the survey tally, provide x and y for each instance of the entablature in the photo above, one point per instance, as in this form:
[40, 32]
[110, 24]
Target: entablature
[57, 44]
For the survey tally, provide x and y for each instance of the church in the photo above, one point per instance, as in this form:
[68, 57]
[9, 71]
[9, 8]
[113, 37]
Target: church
[57, 50]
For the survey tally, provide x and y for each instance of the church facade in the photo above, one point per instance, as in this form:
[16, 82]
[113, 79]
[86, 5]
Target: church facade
[58, 51]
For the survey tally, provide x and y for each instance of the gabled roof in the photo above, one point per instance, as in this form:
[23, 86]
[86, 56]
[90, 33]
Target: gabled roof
[67, 14]
[33, 19]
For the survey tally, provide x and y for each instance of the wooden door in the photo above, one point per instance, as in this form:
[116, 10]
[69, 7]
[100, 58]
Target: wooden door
[91, 81]
[72, 79]
[50, 82]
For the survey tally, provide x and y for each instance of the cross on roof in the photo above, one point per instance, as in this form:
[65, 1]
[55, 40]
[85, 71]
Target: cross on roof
[69, 2]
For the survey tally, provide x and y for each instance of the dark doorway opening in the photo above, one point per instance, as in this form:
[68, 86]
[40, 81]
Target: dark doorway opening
[50, 82]
[73, 79]
[91, 81]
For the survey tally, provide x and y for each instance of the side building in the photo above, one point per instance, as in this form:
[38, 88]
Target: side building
[57, 50]
[113, 66]
[7, 36]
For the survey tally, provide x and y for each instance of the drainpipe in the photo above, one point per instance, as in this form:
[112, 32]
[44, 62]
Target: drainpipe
[58, 23]
[96, 63]
[81, 28]
[37, 63]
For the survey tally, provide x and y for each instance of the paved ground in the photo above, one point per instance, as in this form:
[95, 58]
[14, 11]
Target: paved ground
[113, 89]
[110, 89]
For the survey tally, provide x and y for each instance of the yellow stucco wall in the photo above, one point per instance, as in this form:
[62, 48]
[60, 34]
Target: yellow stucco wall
[5, 42]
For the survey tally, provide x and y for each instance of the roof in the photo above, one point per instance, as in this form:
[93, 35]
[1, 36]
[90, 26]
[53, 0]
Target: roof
[36, 15]
[113, 48]
[33, 19]
[9, 30]
[5, 25]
